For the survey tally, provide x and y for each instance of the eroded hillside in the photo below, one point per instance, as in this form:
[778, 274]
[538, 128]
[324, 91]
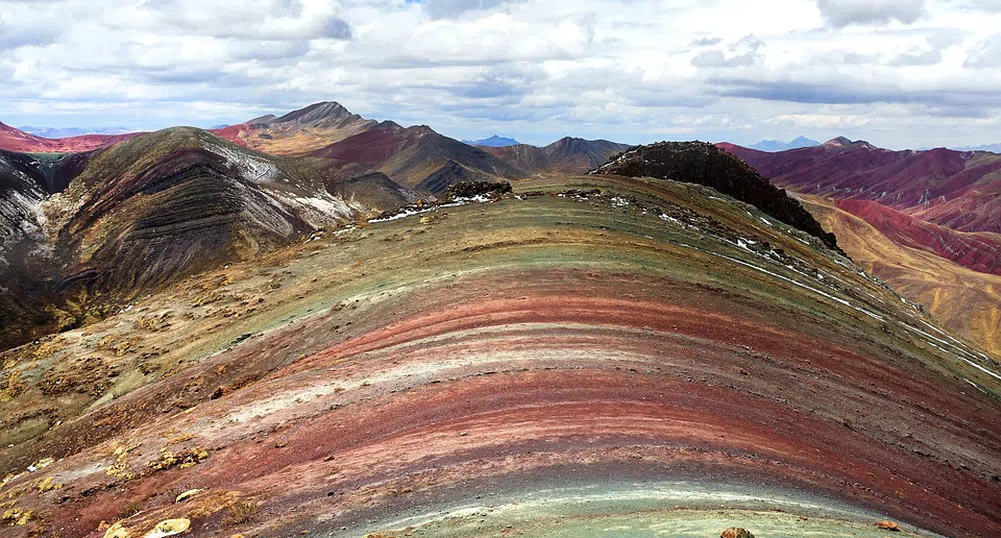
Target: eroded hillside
[586, 353]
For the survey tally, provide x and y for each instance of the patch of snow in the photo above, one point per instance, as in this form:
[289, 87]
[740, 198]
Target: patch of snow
[253, 168]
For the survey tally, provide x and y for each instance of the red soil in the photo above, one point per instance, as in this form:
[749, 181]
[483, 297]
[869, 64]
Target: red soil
[12, 139]
[370, 147]
[676, 384]
[233, 132]
[978, 251]
[952, 188]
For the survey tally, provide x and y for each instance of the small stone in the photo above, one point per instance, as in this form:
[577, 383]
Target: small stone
[736, 532]
[888, 526]
[186, 495]
[117, 531]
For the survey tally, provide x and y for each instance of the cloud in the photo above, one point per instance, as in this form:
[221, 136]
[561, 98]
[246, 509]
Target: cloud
[855, 58]
[440, 9]
[746, 54]
[716, 58]
[249, 19]
[706, 42]
[842, 13]
[986, 5]
[19, 31]
[986, 54]
[628, 69]
[828, 93]
[918, 57]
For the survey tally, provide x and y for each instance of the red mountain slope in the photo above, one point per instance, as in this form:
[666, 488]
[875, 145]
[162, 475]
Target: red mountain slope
[12, 139]
[979, 251]
[957, 189]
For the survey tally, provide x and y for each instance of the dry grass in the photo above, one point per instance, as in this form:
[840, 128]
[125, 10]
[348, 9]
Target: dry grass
[242, 512]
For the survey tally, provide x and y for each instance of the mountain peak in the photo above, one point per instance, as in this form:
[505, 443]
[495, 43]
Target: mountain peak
[317, 112]
[495, 141]
[842, 142]
[838, 142]
[778, 145]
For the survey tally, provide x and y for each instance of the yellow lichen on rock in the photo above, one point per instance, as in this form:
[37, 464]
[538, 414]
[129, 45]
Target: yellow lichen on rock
[120, 469]
[888, 526]
[15, 517]
[13, 387]
[117, 531]
[186, 495]
[47, 484]
[185, 458]
[169, 527]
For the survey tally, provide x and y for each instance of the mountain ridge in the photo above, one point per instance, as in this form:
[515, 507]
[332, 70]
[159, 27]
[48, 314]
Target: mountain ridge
[494, 141]
[778, 145]
[580, 334]
[566, 155]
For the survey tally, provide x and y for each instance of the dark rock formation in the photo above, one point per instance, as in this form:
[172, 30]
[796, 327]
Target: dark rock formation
[373, 190]
[468, 189]
[705, 164]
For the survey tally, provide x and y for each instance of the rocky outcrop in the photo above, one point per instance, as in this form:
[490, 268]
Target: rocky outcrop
[705, 164]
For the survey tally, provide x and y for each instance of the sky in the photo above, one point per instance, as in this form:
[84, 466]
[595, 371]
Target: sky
[898, 73]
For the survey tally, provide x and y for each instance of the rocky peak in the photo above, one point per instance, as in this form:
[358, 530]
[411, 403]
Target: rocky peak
[316, 113]
[705, 164]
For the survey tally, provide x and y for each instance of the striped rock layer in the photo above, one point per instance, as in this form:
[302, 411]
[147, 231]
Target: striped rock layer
[647, 359]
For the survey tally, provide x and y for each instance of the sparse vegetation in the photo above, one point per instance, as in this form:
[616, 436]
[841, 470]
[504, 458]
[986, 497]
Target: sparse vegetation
[13, 386]
[130, 509]
[241, 511]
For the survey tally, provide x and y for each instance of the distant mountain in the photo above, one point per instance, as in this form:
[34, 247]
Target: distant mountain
[493, 142]
[778, 145]
[951, 188]
[992, 148]
[67, 132]
[927, 222]
[569, 155]
[416, 157]
[12, 139]
[300, 131]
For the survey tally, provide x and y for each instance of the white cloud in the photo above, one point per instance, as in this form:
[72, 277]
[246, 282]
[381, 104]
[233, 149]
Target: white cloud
[986, 54]
[842, 13]
[537, 69]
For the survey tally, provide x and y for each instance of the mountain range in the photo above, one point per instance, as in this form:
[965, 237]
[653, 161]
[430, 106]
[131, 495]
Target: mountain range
[321, 324]
[993, 148]
[494, 141]
[778, 145]
[940, 202]
[101, 217]
[67, 132]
